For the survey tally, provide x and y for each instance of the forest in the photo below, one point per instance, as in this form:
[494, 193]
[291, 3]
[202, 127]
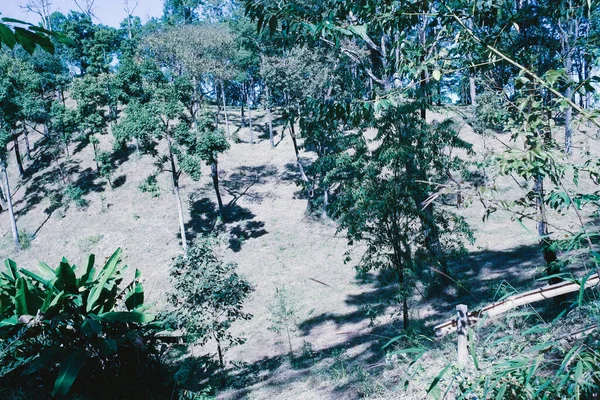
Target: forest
[283, 199]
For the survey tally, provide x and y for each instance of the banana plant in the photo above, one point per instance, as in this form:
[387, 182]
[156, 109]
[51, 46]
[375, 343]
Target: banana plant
[83, 311]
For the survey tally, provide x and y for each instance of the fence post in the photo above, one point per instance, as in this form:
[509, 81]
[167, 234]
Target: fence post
[462, 324]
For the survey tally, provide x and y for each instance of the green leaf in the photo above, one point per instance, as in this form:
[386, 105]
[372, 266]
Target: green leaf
[127, 316]
[91, 326]
[12, 268]
[46, 270]
[107, 271]
[7, 36]
[37, 278]
[437, 75]
[65, 277]
[25, 40]
[9, 321]
[439, 377]
[136, 297]
[69, 369]
[89, 271]
[26, 302]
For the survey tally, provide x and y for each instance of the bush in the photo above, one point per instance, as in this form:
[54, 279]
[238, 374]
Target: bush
[74, 194]
[25, 239]
[60, 328]
[208, 295]
[150, 185]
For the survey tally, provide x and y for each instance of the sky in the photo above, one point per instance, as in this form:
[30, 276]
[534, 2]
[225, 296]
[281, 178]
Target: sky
[108, 12]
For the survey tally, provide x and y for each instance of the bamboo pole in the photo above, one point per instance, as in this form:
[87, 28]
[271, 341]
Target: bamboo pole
[514, 301]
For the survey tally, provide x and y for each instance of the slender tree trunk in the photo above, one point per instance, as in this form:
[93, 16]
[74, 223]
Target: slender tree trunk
[325, 201]
[18, 155]
[269, 116]
[11, 212]
[27, 146]
[569, 110]
[472, 90]
[214, 171]
[243, 97]
[220, 352]
[250, 117]
[225, 109]
[289, 336]
[216, 86]
[176, 192]
[95, 147]
[297, 152]
[548, 252]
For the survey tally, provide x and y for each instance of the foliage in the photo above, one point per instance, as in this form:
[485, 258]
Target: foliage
[25, 239]
[208, 295]
[71, 322]
[107, 165]
[284, 314]
[29, 36]
[150, 185]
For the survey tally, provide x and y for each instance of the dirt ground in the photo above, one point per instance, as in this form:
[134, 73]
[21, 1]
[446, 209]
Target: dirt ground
[341, 322]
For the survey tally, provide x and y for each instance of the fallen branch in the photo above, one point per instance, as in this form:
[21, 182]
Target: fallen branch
[514, 301]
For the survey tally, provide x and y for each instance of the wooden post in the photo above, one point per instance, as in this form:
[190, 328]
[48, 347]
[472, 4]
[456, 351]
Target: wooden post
[462, 324]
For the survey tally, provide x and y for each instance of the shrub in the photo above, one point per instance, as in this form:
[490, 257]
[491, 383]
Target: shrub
[71, 327]
[208, 295]
[150, 185]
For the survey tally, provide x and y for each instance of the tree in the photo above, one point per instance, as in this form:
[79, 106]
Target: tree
[163, 118]
[208, 295]
[92, 96]
[209, 144]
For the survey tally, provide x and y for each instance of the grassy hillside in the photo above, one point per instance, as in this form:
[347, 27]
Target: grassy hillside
[342, 322]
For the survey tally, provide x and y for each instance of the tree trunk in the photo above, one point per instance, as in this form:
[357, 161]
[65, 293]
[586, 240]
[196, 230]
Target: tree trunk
[175, 181]
[243, 90]
[472, 90]
[325, 201]
[269, 116]
[27, 146]
[220, 352]
[295, 143]
[549, 254]
[569, 110]
[214, 171]
[225, 109]
[94, 146]
[216, 86]
[289, 337]
[11, 212]
[18, 155]
[250, 118]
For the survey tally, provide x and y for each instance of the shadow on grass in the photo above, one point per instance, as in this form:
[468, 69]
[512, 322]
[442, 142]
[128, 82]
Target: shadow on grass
[239, 222]
[361, 351]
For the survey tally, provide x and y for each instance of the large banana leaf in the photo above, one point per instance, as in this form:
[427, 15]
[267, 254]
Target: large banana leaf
[11, 266]
[135, 297]
[65, 277]
[126, 316]
[69, 369]
[107, 272]
[26, 302]
[90, 271]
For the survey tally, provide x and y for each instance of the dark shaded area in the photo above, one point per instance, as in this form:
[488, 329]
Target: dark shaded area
[242, 179]
[204, 216]
[119, 181]
[243, 232]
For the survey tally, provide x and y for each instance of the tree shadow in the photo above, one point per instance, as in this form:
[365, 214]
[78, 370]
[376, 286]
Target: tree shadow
[204, 220]
[240, 182]
[244, 231]
[119, 181]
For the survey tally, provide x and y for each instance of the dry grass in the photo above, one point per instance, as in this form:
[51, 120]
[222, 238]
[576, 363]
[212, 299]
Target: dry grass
[275, 244]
